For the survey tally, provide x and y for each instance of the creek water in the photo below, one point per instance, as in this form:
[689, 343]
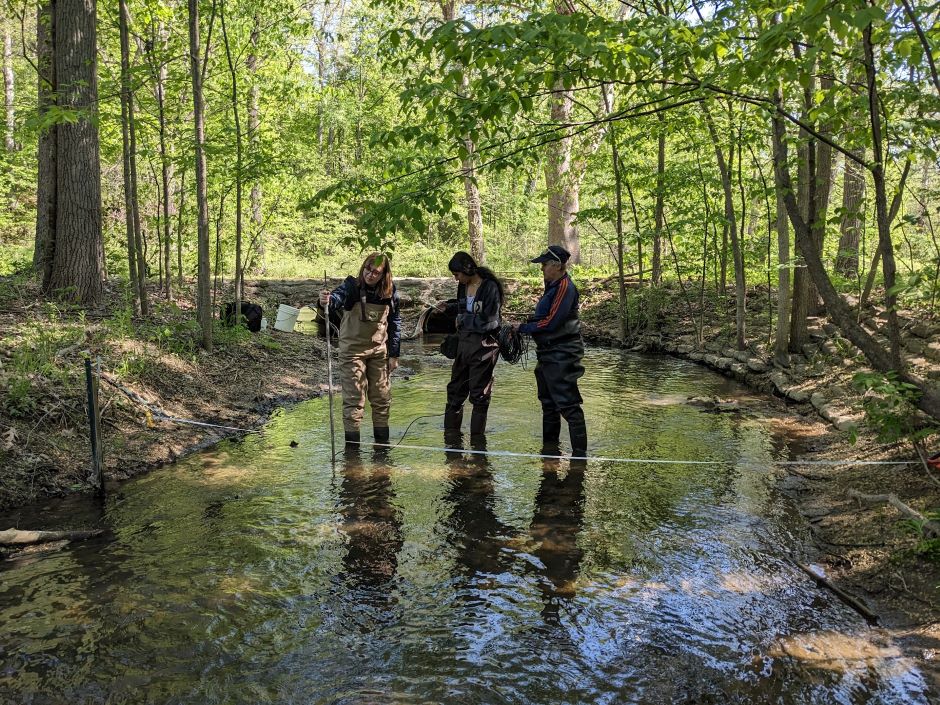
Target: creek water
[260, 573]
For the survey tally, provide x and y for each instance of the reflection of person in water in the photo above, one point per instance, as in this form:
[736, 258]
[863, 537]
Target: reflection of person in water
[371, 523]
[477, 533]
[559, 516]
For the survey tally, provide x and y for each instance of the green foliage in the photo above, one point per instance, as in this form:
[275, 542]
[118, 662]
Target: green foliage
[890, 407]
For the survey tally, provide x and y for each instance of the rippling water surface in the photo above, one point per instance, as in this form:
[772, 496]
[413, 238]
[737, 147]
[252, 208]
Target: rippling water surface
[261, 573]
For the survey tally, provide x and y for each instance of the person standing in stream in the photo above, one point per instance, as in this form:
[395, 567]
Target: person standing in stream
[369, 344]
[479, 302]
[556, 330]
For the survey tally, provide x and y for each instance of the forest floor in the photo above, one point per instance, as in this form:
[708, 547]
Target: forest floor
[870, 551]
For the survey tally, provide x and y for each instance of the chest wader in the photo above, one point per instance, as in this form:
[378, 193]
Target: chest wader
[556, 375]
[363, 362]
[471, 376]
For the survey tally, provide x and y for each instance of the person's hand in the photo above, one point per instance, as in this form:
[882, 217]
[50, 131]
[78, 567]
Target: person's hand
[441, 307]
[392, 364]
[324, 297]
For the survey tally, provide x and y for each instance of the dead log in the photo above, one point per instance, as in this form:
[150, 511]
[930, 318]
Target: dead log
[17, 537]
[847, 598]
[929, 528]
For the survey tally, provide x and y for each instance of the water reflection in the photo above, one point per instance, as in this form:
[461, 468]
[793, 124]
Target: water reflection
[476, 532]
[372, 525]
[558, 519]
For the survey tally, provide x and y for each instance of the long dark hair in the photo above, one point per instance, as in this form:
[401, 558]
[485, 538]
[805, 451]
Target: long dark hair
[465, 264]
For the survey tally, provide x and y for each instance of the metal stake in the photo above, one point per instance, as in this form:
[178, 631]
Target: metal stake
[94, 426]
[329, 374]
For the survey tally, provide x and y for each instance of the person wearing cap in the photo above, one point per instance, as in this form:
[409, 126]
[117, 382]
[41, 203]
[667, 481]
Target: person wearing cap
[369, 344]
[556, 330]
[479, 301]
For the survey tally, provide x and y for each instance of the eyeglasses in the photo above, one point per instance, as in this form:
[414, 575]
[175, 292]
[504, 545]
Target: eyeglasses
[371, 271]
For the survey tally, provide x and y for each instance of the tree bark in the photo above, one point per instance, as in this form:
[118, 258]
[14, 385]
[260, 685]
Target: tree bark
[78, 251]
[9, 88]
[739, 282]
[203, 303]
[881, 201]
[782, 340]
[468, 170]
[128, 138]
[853, 218]
[254, 138]
[238, 168]
[166, 165]
[656, 274]
[46, 199]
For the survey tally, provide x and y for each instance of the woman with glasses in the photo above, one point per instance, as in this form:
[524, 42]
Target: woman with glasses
[479, 301]
[369, 344]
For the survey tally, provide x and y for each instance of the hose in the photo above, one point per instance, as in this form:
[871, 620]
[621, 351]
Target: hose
[513, 346]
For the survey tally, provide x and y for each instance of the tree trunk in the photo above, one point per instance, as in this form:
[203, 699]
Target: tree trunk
[203, 303]
[78, 249]
[166, 165]
[239, 293]
[806, 183]
[128, 140]
[783, 284]
[253, 124]
[881, 202]
[659, 209]
[474, 205]
[853, 217]
[468, 169]
[8, 88]
[46, 198]
[824, 164]
[739, 282]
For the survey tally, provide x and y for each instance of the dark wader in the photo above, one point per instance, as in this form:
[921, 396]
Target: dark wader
[471, 376]
[557, 371]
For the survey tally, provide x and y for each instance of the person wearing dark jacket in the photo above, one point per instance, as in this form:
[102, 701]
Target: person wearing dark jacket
[479, 301]
[556, 330]
[369, 344]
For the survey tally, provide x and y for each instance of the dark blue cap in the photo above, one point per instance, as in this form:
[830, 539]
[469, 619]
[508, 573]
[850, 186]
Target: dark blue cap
[554, 253]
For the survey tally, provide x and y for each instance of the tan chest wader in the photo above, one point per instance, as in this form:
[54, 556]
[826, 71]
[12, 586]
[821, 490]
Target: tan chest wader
[363, 361]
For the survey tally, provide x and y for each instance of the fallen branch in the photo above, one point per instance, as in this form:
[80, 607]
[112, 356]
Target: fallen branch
[930, 529]
[848, 599]
[17, 537]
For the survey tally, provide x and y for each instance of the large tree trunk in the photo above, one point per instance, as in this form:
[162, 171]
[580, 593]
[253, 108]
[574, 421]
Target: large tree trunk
[9, 138]
[46, 199]
[78, 252]
[853, 217]
[203, 302]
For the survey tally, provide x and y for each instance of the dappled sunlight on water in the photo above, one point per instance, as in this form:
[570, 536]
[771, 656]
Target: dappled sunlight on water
[258, 572]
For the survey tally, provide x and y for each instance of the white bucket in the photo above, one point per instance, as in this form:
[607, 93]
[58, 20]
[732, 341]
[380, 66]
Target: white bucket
[286, 318]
